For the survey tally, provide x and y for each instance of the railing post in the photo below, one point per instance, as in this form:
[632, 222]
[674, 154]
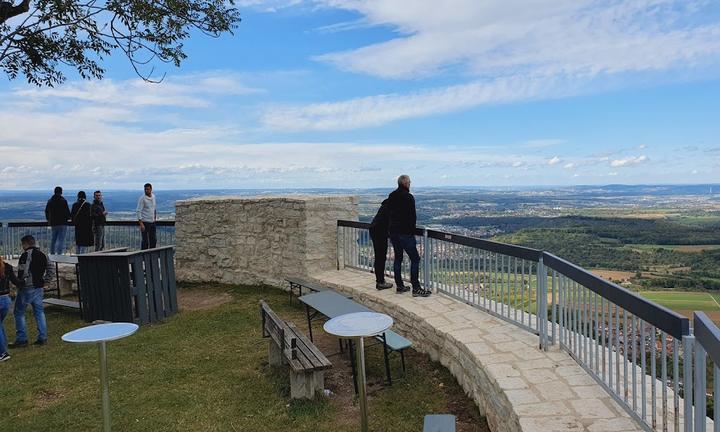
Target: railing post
[541, 303]
[426, 261]
[700, 386]
[688, 342]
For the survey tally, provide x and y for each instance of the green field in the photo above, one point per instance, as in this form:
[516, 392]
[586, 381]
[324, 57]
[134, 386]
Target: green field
[682, 301]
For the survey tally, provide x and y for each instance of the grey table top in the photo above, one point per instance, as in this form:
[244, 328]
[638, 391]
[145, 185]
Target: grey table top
[358, 324]
[100, 333]
[64, 259]
[332, 304]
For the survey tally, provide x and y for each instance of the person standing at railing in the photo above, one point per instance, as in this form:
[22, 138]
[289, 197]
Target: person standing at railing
[403, 218]
[35, 271]
[57, 214]
[379, 236]
[99, 215]
[82, 219]
[147, 216]
[7, 275]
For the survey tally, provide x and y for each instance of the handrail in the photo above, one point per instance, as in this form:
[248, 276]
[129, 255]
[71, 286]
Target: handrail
[657, 315]
[365, 225]
[130, 253]
[489, 245]
[107, 223]
[661, 317]
[708, 335]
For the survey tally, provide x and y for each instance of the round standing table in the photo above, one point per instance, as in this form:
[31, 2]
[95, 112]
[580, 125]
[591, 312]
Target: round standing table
[357, 326]
[100, 334]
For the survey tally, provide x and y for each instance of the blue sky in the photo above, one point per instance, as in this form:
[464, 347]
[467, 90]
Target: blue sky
[351, 93]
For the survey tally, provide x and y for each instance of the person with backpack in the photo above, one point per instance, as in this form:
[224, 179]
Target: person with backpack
[57, 214]
[35, 271]
[81, 216]
[7, 275]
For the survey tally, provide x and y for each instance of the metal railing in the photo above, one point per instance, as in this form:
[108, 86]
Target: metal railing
[638, 351]
[117, 234]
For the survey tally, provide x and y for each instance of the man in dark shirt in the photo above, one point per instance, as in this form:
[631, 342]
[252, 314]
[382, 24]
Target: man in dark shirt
[402, 235]
[99, 215]
[379, 236]
[57, 214]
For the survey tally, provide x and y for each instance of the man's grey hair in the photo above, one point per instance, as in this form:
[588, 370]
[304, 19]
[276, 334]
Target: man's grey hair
[402, 179]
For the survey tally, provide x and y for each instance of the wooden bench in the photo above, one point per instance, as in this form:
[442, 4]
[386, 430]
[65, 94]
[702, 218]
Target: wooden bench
[299, 284]
[63, 303]
[439, 423]
[289, 346]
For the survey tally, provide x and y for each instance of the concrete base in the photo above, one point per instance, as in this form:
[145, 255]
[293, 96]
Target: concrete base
[275, 354]
[306, 385]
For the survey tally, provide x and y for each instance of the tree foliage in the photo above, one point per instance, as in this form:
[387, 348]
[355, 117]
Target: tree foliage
[51, 37]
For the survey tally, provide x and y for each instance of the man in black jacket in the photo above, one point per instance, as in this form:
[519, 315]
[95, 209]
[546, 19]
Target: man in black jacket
[99, 215]
[57, 214]
[402, 235]
[35, 271]
[379, 236]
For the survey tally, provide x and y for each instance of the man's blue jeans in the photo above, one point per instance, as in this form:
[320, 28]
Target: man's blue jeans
[4, 309]
[34, 298]
[406, 243]
[57, 242]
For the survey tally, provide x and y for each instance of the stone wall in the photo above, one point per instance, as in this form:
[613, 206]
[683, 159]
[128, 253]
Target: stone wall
[251, 240]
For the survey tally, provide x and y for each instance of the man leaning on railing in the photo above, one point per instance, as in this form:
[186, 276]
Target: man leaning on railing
[402, 235]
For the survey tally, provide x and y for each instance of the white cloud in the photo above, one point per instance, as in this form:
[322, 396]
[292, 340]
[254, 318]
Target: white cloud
[567, 37]
[382, 109]
[569, 165]
[188, 91]
[511, 50]
[554, 161]
[628, 161]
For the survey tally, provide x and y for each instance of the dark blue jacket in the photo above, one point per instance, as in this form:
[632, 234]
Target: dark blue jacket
[402, 212]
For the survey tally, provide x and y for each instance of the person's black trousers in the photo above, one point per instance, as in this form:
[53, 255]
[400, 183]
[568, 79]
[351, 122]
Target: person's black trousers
[149, 238]
[380, 245]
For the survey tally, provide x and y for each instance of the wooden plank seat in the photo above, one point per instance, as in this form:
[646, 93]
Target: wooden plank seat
[63, 303]
[298, 284]
[439, 423]
[289, 346]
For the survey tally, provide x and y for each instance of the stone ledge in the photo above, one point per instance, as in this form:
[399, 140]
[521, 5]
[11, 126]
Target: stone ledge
[515, 385]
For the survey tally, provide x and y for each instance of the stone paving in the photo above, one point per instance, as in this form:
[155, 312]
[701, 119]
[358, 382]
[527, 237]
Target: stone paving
[515, 385]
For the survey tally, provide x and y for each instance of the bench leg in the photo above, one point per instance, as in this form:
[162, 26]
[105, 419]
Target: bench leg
[305, 385]
[309, 320]
[402, 358]
[387, 361]
[276, 356]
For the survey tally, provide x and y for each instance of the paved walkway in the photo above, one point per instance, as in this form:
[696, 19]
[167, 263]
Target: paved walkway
[515, 385]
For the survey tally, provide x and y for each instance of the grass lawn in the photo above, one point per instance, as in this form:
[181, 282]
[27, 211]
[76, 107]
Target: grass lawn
[684, 301]
[206, 370]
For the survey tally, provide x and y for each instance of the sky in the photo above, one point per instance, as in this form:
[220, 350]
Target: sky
[352, 93]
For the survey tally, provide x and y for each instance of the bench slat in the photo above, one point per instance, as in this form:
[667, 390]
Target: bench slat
[309, 357]
[63, 303]
[394, 341]
[306, 284]
[439, 423]
[309, 350]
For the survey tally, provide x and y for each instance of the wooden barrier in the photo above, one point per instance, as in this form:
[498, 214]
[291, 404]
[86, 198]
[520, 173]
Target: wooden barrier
[128, 286]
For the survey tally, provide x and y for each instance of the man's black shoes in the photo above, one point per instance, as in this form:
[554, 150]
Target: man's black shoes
[17, 344]
[402, 289]
[40, 342]
[383, 286]
[419, 292]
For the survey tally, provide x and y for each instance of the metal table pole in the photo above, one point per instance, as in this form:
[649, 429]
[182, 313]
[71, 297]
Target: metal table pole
[104, 387]
[361, 385]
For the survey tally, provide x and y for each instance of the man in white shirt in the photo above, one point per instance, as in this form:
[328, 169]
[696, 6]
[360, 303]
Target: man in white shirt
[147, 216]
